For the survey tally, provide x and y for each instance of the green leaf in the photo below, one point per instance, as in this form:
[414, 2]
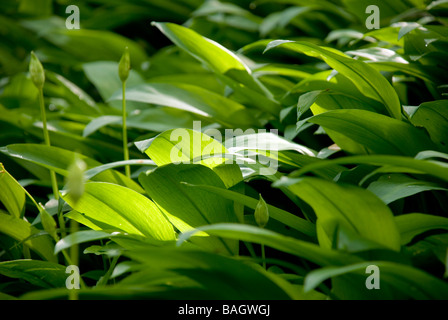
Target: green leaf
[412, 282]
[413, 224]
[82, 237]
[223, 62]
[397, 186]
[189, 208]
[22, 231]
[356, 209]
[222, 277]
[58, 159]
[40, 273]
[48, 222]
[122, 209]
[433, 116]
[12, 195]
[377, 133]
[89, 174]
[368, 80]
[190, 146]
[436, 169]
[299, 248]
[194, 99]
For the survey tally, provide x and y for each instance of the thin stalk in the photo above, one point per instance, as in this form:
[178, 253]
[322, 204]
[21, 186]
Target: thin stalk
[54, 182]
[263, 256]
[125, 133]
[74, 256]
[103, 281]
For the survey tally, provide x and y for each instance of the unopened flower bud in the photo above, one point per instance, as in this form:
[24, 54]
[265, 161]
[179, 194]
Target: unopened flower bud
[37, 72]
[261, 213]
[125, 65]
[75, 179]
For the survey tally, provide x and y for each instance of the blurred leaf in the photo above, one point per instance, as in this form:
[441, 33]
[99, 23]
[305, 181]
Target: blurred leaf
[396, 186]
[413, 224]
[415, 284]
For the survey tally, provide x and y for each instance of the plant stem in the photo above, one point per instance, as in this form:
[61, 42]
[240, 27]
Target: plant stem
[54, 182]
[74, 256]
[263, 256]
[103, 281]
[125, 133]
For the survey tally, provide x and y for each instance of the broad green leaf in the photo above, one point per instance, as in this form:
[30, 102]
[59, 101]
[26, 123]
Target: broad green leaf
[223, 62]
[154, 119]
[335, 83]
[215, 56]
[194, 99]
[86, 236]
[189, 208]
[396, 186]
[358, 210]
[58, 159]
[122, 209]
[368, 80]
[91, 173]
[436, 169]
[413, 224]
[433, 116]
[412, 282]
[101, 45]
[12, 194]
[304, 249]
[22, 231]
[236, 280]
[190, 146]
[377, 133]
[264, 141]
[43, 274]
[387, 10]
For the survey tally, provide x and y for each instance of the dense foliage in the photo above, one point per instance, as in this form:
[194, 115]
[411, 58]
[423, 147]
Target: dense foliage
[362, 150]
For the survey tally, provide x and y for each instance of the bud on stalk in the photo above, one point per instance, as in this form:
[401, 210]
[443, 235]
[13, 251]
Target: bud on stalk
[124, 66]
[37, 72]
[261, 213]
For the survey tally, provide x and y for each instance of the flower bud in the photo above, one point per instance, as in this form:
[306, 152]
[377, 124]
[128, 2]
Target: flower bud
[261, 213]
[125, 65]
[37, 72]
[75, 179]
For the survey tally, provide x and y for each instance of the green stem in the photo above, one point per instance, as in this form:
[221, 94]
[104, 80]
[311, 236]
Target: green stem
[103, 281]
[263, 256]
[54, 182]
[125, 133]
[74, 256]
